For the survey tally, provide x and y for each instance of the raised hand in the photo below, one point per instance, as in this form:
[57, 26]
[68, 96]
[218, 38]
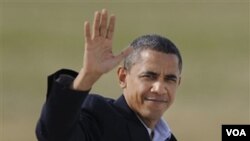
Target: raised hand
[98, 55]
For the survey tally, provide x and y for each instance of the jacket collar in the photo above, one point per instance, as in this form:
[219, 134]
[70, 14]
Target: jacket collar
[135, 127]
[125, 110]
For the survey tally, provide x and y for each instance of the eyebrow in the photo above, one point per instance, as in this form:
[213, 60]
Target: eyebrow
[150, 73]
[171, 76]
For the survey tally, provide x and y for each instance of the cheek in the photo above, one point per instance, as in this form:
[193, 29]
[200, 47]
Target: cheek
[135, 85]
[135, 93]
[172, 93]
[142, 89]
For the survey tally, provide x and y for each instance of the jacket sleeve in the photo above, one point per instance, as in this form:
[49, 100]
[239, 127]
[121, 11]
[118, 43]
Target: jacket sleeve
[59, 120]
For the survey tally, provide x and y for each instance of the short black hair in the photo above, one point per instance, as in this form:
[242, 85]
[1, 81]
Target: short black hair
[153, 42]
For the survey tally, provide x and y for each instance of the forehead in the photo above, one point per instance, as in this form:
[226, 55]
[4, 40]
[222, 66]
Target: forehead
[157, 61]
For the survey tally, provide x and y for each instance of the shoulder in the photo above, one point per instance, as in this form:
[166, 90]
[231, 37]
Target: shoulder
[97, 103]
[102, 110]
[97, 99]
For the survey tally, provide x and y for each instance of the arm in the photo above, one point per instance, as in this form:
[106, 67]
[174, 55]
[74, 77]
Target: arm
[61, 112]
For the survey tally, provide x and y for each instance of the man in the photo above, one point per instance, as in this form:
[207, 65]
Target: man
[149, 79]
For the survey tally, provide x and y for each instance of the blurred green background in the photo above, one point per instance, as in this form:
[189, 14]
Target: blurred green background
[39, 37]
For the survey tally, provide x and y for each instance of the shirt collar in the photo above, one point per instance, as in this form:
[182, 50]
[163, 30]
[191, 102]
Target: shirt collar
[162, 131]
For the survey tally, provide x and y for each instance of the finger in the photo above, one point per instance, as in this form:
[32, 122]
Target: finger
[96, 24]
[104, 22]
[123, 54]
[111, 27]
[87, 33]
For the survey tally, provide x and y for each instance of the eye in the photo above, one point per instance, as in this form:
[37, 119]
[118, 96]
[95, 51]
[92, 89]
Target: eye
[171, 79]
[148, 77]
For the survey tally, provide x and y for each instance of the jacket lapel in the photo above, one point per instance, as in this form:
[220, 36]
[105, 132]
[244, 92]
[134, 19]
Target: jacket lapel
[136, 129]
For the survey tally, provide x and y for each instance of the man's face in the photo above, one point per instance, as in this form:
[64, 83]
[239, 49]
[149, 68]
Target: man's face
[150, 85]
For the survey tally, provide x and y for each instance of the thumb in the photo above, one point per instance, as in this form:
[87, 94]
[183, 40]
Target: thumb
[118, 58]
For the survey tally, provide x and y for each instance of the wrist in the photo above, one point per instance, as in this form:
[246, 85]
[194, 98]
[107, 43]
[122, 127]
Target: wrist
[85, 80]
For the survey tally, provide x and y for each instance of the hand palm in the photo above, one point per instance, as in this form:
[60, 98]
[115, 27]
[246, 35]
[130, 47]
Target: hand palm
[98, 55]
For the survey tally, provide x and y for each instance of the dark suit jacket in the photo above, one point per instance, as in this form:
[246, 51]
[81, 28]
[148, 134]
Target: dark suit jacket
[70, 115]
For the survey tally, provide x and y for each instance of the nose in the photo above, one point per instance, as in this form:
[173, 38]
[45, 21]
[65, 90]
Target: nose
[159, 88]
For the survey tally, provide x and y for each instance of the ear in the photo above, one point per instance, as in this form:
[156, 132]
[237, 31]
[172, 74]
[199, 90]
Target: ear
[179, 83]
[122, 74]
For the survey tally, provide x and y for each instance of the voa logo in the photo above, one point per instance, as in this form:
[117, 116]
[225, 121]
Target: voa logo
[236, 132]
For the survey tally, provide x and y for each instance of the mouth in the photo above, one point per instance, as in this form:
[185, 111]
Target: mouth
[156, 100]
